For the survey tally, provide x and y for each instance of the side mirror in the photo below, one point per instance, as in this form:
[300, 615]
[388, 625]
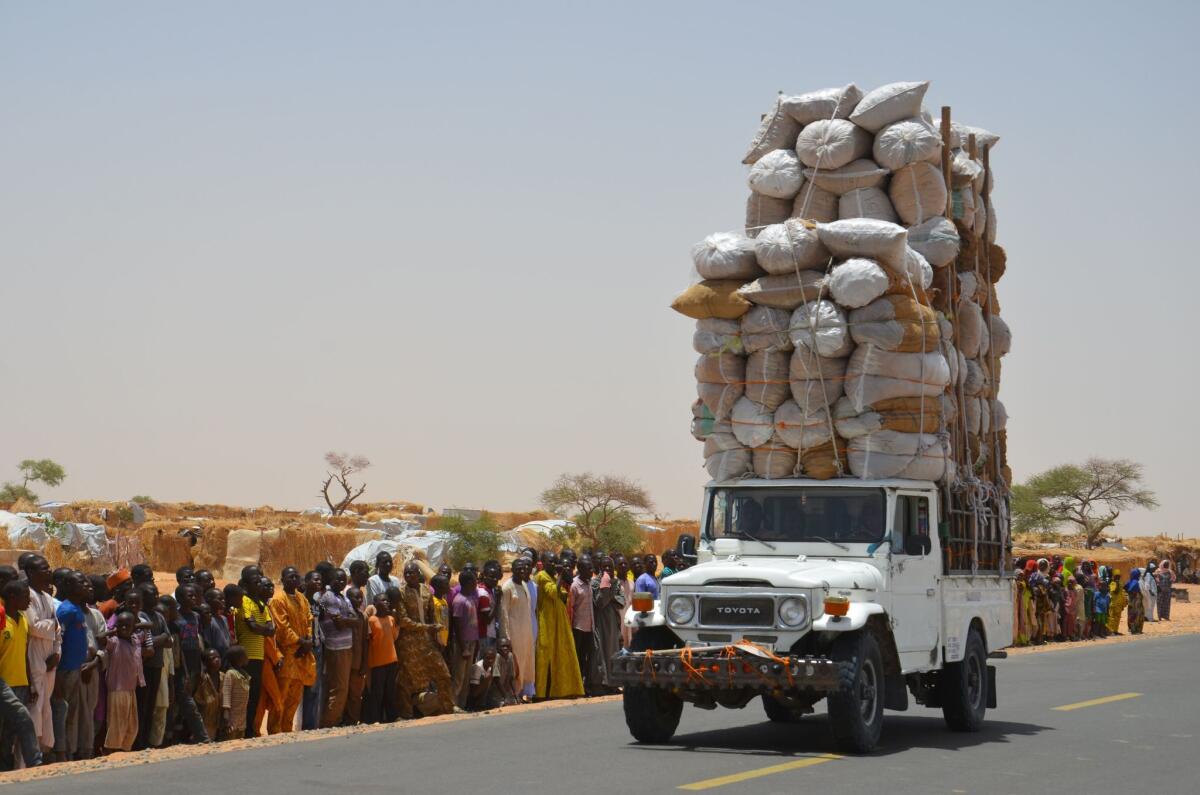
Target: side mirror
[917, 545]
[686, 547]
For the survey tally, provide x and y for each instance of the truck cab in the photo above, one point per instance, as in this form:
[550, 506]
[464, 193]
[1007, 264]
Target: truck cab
[843, 586]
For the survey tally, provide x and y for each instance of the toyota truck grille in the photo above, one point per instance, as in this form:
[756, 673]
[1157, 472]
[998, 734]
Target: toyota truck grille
[737, 611]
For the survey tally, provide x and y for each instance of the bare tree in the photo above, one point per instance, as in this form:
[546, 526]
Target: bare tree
[595, 501]
[343, 466]
[1091, 497]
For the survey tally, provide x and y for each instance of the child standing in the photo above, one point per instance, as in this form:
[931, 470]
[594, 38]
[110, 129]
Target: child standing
[380, 703]
[441, 609]
[124, 657]
[235, 693]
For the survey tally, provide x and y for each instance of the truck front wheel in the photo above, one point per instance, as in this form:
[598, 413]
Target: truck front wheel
[964, 687]
[652, 714]
[856, 711]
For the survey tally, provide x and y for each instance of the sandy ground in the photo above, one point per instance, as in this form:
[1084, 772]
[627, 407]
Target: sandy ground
[1185, 619]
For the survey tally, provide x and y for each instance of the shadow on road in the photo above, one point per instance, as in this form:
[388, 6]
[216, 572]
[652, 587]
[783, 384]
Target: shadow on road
[811, 735]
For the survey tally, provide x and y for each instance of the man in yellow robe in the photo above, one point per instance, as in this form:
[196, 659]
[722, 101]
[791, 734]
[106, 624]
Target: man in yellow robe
[557, 665]
[293, 637]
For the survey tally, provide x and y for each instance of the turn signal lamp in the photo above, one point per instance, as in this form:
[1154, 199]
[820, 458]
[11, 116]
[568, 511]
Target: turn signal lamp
[837, 605]
[643, 602]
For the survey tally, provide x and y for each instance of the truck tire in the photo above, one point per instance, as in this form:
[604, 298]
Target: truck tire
[652, 714]
[963, 687]
[856, 711]
[778, 712]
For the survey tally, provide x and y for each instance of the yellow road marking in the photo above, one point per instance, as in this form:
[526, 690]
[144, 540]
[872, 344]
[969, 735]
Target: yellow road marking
[734, 778]
[1096, 701]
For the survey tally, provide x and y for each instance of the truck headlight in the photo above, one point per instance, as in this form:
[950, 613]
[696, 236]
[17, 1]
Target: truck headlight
[793, 611]
[681, 609]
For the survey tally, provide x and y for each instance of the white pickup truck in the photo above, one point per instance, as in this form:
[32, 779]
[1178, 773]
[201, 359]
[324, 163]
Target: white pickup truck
[837, 589]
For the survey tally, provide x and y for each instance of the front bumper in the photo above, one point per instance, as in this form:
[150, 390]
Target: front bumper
[733, 667]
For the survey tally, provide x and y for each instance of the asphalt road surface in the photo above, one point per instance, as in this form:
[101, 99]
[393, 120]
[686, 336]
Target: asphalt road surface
[1133, 712]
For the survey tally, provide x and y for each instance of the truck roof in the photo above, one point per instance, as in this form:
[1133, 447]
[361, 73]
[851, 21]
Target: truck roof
[889, 483]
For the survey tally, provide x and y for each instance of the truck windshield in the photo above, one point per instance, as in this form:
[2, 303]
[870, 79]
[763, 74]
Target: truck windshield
[836, 515]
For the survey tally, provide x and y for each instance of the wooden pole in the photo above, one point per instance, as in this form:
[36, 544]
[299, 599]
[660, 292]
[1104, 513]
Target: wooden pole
[946, 159]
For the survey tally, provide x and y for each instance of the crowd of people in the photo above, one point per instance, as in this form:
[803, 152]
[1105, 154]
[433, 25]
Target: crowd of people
[1062, 599]
[93, 664]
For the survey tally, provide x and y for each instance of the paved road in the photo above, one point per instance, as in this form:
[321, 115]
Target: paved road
[1026, 745]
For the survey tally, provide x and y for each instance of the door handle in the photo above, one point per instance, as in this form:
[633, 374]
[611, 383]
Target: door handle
[931, 592]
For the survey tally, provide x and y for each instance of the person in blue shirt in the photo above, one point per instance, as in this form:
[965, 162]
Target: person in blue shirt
[646, 581]
[71, 666]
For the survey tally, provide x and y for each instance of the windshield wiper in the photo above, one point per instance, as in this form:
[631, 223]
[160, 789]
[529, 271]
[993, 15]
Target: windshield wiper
[835, 543]
[766, 544]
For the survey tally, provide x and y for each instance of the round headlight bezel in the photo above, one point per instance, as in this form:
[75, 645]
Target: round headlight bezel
[686, 603]
[804, 613]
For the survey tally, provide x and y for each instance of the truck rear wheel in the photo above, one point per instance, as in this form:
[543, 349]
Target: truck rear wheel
[652, 714]
[779, 712]
[964, 687]
[856, 711]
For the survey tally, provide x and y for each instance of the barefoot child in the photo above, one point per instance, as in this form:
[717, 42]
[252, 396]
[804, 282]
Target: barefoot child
[235, 693]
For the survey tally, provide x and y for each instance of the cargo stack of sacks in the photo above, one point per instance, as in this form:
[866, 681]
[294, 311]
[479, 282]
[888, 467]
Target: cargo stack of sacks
[967, 293]
[821, 352]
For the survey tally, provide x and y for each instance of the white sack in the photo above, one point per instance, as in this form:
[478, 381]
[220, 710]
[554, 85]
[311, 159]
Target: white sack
[777, 174]
[816, 381]
[799, 430]
[918, 192]
[974, 380]
[785, 291]
[832, 143]
[936, 240]
[778, 130]
[762, 211]
[982, 137]
[767, 378]
[866, 237]
[821, 327]
[814, 203]
[717, 335]
[789, 247]
[766, 328]
[753, 424]
[720, 398]
[866, 203]
[876, 324]
[888, 104]
[725, 255]
[827, 103]
[722, 368]
[920, 272]
[729, 464]
[891, 454]
[774, 459]
[861, 173]
[857, 282]
[1000, 336]
[719, 442]
[972, 334]
[907, 141]
[873, 375]
[963, 170]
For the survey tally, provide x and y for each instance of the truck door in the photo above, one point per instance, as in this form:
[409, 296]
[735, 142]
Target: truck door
[916, 615]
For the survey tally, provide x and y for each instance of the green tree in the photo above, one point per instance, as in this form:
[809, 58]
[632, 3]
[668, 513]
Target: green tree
[595, 501]
[475, 541]
[33, 470]
[1089, 496]
[620, 533]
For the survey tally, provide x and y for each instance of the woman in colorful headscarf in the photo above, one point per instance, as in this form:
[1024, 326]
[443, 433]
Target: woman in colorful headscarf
[1068, 605]
[1165, 576]
[1137, 610]
[1118, 601]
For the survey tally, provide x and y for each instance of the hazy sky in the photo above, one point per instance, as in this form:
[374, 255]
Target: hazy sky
[445, 235]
